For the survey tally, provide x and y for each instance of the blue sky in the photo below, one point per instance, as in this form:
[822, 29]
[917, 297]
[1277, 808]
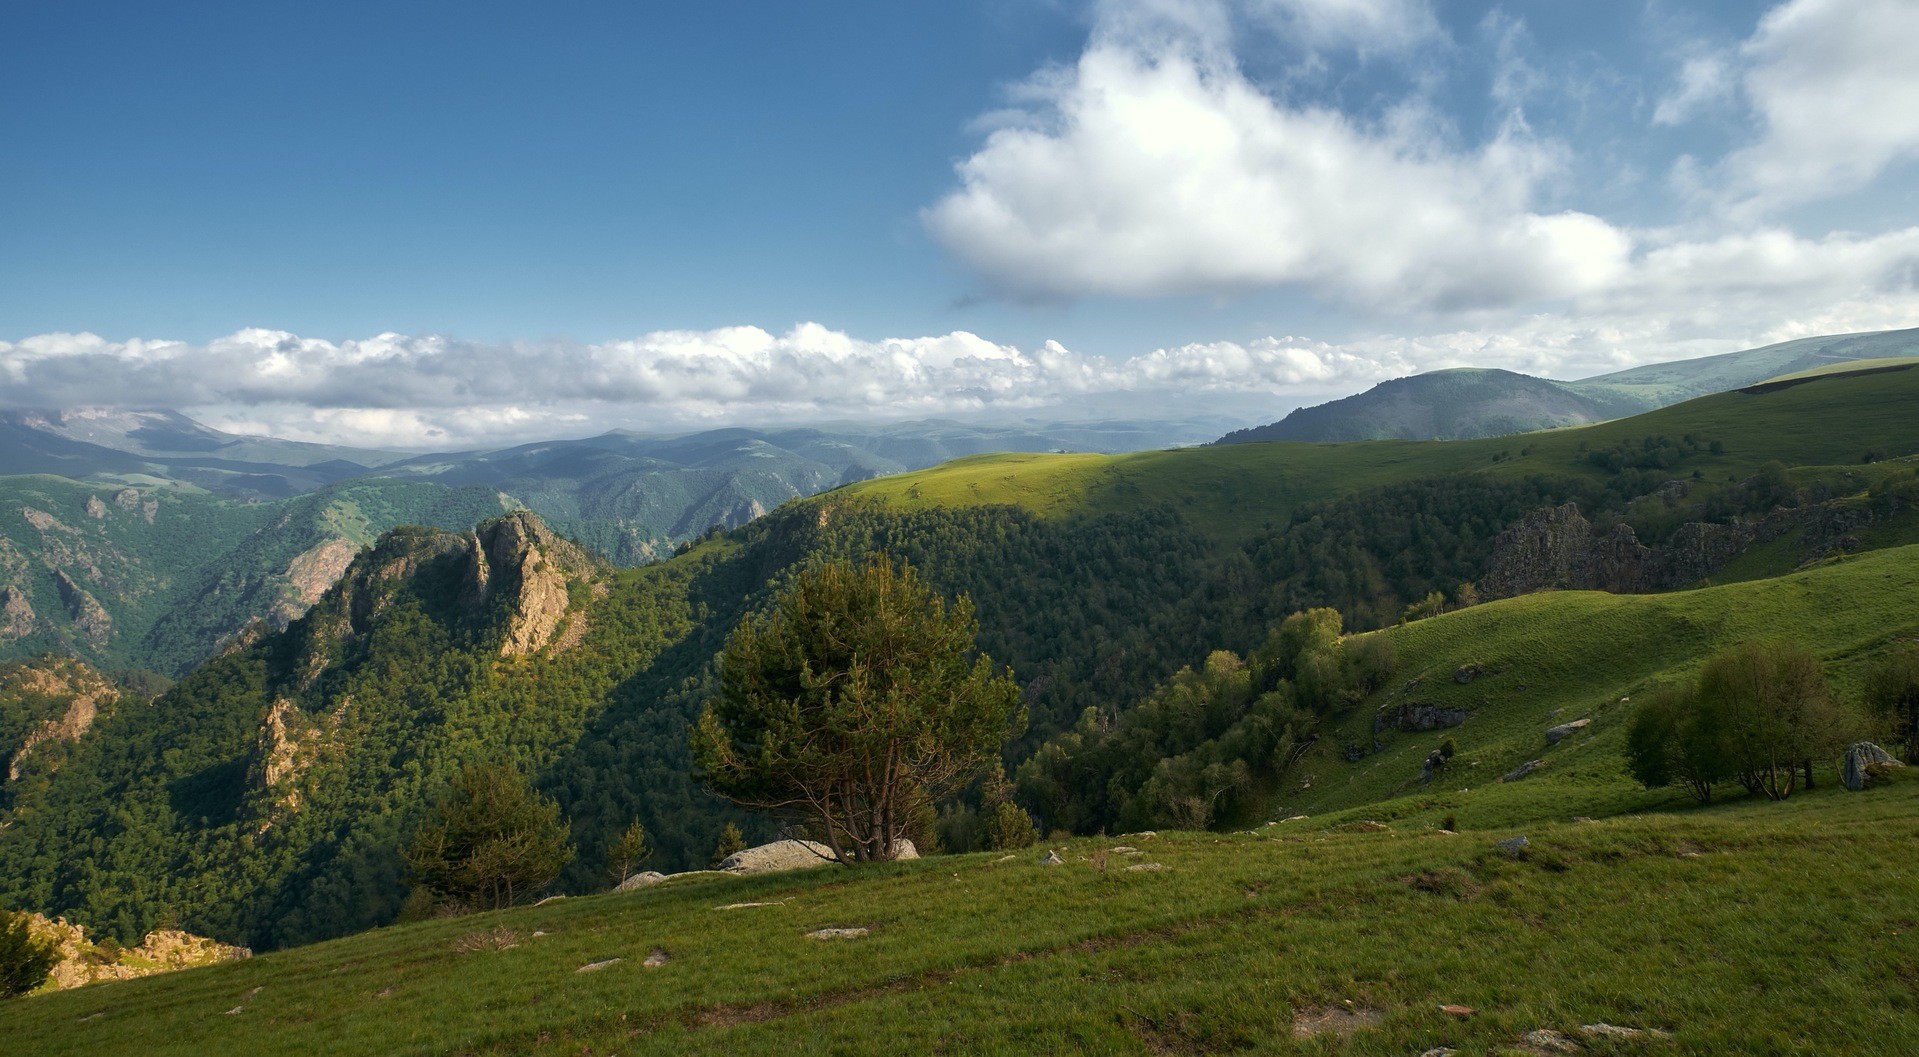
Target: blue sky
[348, 220]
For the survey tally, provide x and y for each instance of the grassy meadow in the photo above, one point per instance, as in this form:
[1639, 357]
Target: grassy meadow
[1236, 489]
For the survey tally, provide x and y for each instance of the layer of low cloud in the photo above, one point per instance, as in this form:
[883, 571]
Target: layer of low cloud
[436, 392]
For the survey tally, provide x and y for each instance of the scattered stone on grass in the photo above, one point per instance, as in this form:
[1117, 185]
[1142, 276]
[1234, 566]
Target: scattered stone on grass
[1009, 857]
[235, 1011]
[1514, 847]
[1524, 770]
[1052, 859]
[1603, 1030]
[1546, 1040]
[549, 899]
[1125, 849]
[1450, 1009]
[744, 906]
[839, 934]
[1296, 818]
[594, 967]
[656, 959]
[1466, 673]
[644, 879]
[1334, 1020]
[1146, 866]
[1865, 761]
[1439, 1051]
[1555, 735]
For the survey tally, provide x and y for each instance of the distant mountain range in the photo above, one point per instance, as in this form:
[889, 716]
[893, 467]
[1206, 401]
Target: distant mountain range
[1464, 403]
[144, 539]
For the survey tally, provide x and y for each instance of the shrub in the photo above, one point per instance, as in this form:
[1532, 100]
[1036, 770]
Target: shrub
[25, 962]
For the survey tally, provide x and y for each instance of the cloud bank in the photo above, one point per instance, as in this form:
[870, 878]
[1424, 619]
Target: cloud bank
[1155, 166]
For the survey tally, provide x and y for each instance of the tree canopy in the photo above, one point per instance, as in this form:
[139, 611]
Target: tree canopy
[854, 695]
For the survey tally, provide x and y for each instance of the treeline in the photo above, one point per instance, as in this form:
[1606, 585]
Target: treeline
[1208, 747]
[1762, 715]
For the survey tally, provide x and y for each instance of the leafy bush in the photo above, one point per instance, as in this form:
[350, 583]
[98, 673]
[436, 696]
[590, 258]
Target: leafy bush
[25, 962]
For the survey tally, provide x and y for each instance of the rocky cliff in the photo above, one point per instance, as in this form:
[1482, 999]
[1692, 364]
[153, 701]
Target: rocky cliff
[1557, 548]
[49, 702]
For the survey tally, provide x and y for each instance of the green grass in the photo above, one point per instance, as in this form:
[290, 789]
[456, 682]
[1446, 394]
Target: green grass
[1234, 490]
[1744, 928]
[1556, 657]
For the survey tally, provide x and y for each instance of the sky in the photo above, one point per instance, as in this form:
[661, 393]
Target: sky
[437, 224]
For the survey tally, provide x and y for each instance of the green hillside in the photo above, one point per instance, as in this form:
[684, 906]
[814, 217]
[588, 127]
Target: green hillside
[1627, 908]
[1237, 489]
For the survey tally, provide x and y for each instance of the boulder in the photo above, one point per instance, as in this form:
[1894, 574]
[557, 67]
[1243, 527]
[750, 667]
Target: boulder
[646, 879]
[779, 855]
[1863, 760]
[1052, 859]
[1522, 771]
[1555, 735]
[1514, 847]
[1435, 762]
[1466, 673]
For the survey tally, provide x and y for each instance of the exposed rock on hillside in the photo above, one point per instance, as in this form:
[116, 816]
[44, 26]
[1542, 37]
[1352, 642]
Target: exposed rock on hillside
[16, 614]
[162, 951]
[86, 692]
[1557, 548]
[524, 563]
[1417, 715]
[89, 617]
[509, 576]
[287, 747]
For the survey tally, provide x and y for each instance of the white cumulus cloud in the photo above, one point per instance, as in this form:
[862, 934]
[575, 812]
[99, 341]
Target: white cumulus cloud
[1146, 172]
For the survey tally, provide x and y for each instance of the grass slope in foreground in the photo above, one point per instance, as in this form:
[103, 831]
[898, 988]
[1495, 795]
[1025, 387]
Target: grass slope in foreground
[1744, 928]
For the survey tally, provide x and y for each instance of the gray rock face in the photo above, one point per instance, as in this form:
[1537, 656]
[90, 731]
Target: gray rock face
[1557, 548]
[1563, 731]
[1863, 758]
[1435, 762]
[1417, 716]
[1524, 770]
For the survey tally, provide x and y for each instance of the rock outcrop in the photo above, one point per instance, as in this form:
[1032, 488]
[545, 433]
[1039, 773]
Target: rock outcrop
[1417, 716]
[518, 558]
[87, 694]
[510, 577]
[89, 617]
[283, 752]
[1555, 735]
[1865, 761]
[16, 614]
[162, 951]
[1557, 548]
